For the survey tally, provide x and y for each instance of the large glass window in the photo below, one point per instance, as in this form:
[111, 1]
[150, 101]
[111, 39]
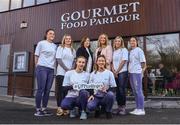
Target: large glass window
[4, 5]
[27, 3]
[54, 0]
[16, 4]
[163, 57]
[42, 1]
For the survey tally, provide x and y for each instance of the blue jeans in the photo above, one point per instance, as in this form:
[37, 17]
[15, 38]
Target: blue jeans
[121, 82]
[107, 101]
[45, 78]
[68, 103]
[136, 85]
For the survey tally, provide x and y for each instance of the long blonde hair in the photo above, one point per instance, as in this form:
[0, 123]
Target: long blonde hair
[63, 42]
[122, 42]
[106, 37]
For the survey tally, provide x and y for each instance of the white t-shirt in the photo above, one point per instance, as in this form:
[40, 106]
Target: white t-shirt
[89, 62]
[46, 52]
[67, 56]
[71, 78]
[136, 57]
[118, 56]
[106, 77]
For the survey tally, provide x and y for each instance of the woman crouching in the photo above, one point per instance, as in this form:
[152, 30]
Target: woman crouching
[76, 98]
[103, 97]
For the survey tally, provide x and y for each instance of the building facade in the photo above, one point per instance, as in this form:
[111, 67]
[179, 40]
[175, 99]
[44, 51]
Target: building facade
[156, 23]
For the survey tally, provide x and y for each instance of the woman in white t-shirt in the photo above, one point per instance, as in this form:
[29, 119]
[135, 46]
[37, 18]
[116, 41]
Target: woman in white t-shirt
[76, 97]
[103, 96]
[137, 66]
[119, 68]
[65, 57]
[45, 64]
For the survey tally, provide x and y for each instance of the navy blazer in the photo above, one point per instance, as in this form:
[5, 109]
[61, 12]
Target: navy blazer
[83, 52]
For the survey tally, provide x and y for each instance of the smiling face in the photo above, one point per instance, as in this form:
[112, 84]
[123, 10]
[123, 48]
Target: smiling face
[50, 35]
[117, 43]
[133, 42]
[87, 43]
[102, 39]
[101, 62]
[67, 40]
[80, 63]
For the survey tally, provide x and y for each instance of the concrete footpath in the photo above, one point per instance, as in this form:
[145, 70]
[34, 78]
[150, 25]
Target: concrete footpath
[149, 103]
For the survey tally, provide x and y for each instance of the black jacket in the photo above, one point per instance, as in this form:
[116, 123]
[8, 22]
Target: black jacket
[82, 52]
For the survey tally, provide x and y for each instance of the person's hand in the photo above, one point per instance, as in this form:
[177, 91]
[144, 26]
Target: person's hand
[104, 89]
[91, 98]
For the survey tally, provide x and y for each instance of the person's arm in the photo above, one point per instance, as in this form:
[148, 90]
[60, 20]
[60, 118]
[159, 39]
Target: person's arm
[60, 62]
[36, 59]
[121, 65]
[66, 82]
[37, 52]
[143, 66]
[109, 55]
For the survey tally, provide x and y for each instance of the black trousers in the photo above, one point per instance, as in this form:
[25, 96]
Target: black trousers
[60, 94]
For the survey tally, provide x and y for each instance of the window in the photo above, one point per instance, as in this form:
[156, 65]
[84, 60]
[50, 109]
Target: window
[27, 3]
[42, 1]
[163, 55]
[16, 4]
[4, 5]
[54, 0]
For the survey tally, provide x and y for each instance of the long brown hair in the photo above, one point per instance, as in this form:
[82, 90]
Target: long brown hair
[84, 40]
[96, 66]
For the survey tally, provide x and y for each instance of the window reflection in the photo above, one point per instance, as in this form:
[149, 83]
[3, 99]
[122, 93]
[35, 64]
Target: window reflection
[16, 4]
[163, 56]
[42, 1]
[4, 5]
[27, 3]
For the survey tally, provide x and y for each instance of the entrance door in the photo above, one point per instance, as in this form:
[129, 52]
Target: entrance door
[4, 68]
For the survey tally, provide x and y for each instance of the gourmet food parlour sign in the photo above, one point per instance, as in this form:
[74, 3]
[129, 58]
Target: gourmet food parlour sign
[100, 16]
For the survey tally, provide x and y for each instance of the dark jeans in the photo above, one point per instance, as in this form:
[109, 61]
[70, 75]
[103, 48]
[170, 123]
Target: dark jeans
[60, 94]
[45, 78]
[121, 82]
[68, 103]
[107, 101]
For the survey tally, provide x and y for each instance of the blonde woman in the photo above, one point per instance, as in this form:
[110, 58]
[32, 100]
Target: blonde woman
[119, 68]
[104, 49]
[65, 57]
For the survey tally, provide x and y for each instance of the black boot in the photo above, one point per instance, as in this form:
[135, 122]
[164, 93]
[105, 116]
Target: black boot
[97, 113]
[108, 115]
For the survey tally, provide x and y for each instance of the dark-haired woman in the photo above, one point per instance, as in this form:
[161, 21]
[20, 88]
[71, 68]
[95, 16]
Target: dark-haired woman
[85, 51]
[103, 96]
[137, 66]
[45, 64]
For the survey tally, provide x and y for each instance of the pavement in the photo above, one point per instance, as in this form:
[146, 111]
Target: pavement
[21, 111]
[155, 103]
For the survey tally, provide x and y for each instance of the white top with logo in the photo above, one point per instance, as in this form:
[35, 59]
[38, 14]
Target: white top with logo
[106, 77]
[46, 52]
[136, 57]
[72, 77]
[118, 56]
[67, 55]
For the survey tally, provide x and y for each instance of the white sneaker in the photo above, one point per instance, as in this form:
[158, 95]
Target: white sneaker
[134, 111]
[138, 112]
